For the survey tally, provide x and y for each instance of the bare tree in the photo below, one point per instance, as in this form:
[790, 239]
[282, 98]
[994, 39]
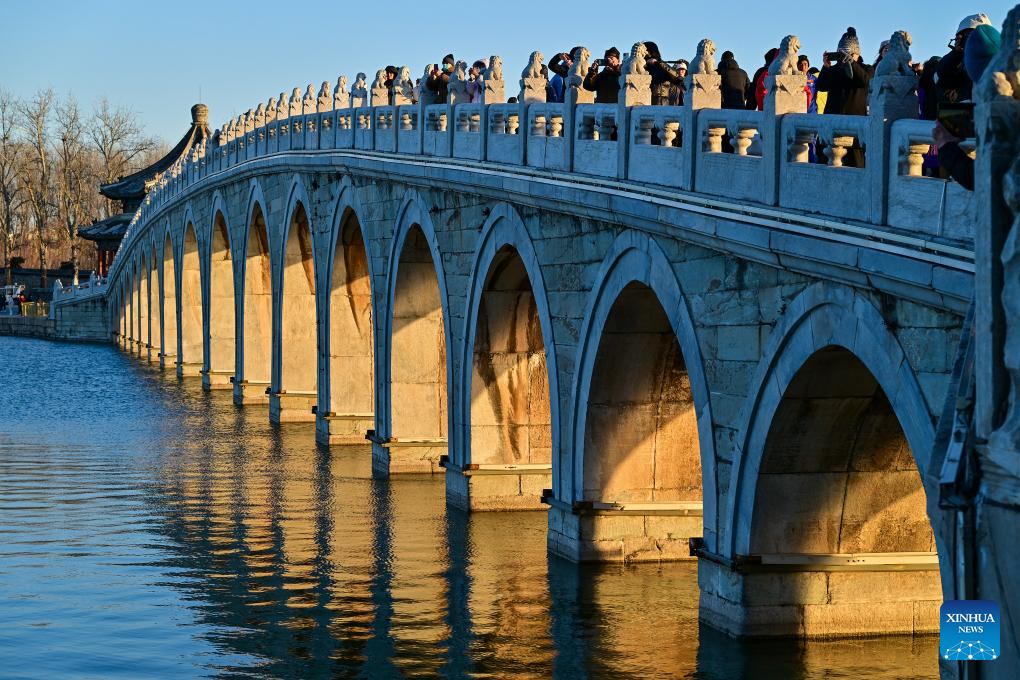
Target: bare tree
[37, 172]
[118, 138]
[75, 177]
[12, 194]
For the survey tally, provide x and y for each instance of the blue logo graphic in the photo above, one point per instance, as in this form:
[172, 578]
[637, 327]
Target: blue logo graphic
[969, 630]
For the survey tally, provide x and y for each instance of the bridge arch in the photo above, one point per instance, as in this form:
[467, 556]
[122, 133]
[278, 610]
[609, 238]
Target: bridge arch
[191, 359]
[254, 358]
[142, 301]
[155, 320]
[347, 389]
[641, 437]
[295, 349]
[168, 268]
[413, 381]
[832, 460]
[508, 402]
[221, 316]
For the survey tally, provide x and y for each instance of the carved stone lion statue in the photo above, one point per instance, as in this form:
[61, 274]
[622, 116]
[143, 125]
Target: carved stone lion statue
[578, 71]
[271, 110]
[704, 59]
[295, 102]
[325, 102]
[785, 63]
[309, 101]
[534, 67]
[380, 79]
[635, 62]
[1002, 75]
[341, 86]
[896, 61]
[495, 70]
[282, 106]
[260, 115]
[404, 85]
[249, 120]
[459, 72]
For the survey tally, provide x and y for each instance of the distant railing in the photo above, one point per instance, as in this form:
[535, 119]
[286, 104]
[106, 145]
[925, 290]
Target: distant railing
[779, 157]
[94, 287]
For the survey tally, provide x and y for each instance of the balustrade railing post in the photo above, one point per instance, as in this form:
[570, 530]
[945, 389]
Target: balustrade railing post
[635, 90]
[533, 88]
[573, 95]
[703, 92]
[784, 94]
[892, 97]
[493, 92]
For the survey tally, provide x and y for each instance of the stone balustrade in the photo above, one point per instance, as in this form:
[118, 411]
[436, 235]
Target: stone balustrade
[762, 157]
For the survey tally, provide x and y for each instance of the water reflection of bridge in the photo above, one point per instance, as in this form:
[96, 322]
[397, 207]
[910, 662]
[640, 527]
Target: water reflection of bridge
[303, 565]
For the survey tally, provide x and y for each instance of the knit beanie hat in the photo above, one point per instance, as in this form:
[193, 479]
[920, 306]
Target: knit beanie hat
[612, 52]
[982, 45]
[973, 21]
[849, 44]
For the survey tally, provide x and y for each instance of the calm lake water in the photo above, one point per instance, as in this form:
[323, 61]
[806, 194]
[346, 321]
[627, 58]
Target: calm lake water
[151, 530]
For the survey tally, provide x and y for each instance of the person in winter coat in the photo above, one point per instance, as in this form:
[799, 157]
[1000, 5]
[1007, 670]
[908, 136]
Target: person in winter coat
[605, 83]
[476, 81]
[952, 84]
[847, 82]
[735, 84]
[982, 45]
[663, 75]
[927, 98]
[758, 81]
[439, 80]
[810, 88]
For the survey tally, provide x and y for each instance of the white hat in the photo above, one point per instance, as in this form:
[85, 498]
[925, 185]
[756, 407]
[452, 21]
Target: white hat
[973, 21]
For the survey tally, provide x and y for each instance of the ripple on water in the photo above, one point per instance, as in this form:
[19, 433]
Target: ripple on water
[148, 529]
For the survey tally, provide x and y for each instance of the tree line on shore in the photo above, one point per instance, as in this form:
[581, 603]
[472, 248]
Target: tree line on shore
[53, 157]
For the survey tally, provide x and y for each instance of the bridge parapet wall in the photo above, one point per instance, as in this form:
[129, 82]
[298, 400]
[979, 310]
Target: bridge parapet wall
[775, 157]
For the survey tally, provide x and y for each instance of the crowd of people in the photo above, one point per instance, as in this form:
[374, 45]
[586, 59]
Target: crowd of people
[840, 86]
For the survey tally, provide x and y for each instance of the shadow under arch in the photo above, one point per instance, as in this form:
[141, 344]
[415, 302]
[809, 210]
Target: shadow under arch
[346, 406]
[671, 418]
[221, 316]
[155, 300]
[295, 337]
[254, 346]
[832, 460]
[415, 245]
[508, 393]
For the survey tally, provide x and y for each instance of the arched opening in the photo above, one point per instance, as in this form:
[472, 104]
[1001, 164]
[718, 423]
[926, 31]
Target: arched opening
[642, 495]
[351, 401]
[129, 309]
[155, 323]
[298, 348]
[837, 475]
[257, 335]
[169, 307]
[839, 538]
[418, 390]
[143, 306]
[190, 360]
[221, 305]
[511, 421]
[641, 434]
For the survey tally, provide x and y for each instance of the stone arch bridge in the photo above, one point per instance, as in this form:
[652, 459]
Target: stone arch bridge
[662, 325]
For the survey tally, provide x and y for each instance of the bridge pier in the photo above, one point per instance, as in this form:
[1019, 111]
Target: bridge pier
[189, 369]
[497, 487]
[338, 429]
[637, 532]
[217, 380]
[395, 456]
[251, 392]
[818, 596]
[291, 407]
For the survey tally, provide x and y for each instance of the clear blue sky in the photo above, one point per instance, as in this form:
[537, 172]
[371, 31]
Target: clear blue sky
[155, 57]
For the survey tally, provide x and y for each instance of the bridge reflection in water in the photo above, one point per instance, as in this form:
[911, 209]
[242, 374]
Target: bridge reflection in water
[159, 530]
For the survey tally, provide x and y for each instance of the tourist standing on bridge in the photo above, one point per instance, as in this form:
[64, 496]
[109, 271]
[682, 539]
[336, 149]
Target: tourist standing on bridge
[663, 75]
[678, 91]
[951, 80]
[560, 66]
[476, 81]
[847, 82]
[439, 79]
[605, 83]
[391, 78]
[757, 101]
[735, 85]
